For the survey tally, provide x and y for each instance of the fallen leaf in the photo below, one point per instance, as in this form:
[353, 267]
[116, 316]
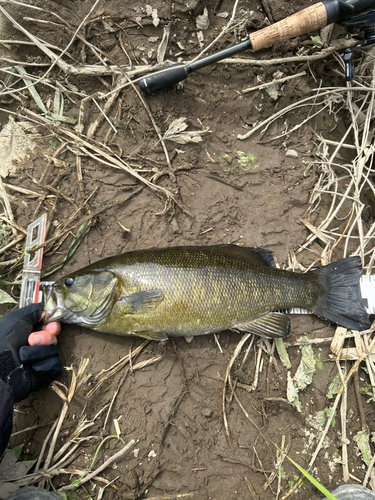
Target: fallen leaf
[202, 21]
[11, 468]
[14, 144]
[163, 45]
[303, 376]
[5, 298]
[176, 132]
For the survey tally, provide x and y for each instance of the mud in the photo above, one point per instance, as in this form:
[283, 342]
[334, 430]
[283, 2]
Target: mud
[174, 408]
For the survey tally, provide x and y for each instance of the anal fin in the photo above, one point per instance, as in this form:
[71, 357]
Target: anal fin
[271, 326]
[162, 337]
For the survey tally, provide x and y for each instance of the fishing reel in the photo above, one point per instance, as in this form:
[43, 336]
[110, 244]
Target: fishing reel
[362, 26]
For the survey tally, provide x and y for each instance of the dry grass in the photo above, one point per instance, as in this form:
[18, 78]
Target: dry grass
[336, 220]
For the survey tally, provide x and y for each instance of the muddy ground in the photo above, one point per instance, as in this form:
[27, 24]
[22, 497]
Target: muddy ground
[174, 408]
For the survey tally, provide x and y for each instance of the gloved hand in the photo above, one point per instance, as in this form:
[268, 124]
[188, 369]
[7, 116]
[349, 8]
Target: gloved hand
[25, 368]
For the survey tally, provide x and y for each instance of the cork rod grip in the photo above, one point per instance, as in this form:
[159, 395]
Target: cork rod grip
[304, 21]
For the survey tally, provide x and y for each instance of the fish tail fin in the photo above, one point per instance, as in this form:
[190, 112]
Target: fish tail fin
[341, 304]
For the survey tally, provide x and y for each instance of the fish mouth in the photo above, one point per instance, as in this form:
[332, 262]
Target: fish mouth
[54, 311]
[53, 315]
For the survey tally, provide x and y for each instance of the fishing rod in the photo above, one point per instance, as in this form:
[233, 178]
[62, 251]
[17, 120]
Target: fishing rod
[358, 16]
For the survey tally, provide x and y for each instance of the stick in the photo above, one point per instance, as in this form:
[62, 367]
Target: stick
[8, 206]
[270, 119]
[223, 31]
[329, 420]
[227, 373]
[265, 85]
[106, 464]
[104, 157]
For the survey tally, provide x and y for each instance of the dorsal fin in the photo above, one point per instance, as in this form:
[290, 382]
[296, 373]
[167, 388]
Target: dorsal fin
[254, 254]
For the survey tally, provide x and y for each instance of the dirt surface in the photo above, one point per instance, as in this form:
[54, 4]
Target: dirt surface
[173, 408]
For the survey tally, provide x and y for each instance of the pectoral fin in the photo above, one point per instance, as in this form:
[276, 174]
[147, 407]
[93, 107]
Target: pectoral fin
[152, 336]
[144, 299]
[272, 325]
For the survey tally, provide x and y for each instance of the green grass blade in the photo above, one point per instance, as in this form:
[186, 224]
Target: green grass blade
[81, 233]
[313, 481]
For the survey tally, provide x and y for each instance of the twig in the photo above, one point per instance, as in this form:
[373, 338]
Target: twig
[176, 496]
[251, 488]
[44, 446]
[330, 418]
[261, 466]
[218, 343]
[141, 364]
[156, 127]
[106, 464]
[119, 365]
[222, 33]
[253, 423]
[358, 394]
[268, 84]
[333, 409]
[55, 59]
[227, 373]
[270, 119]
[12, 243]
[369, 470]
[102, 156]
[343, 415]
[287, 60]
[282, 455]
[14, 225]
[8, 206]
[254, 385]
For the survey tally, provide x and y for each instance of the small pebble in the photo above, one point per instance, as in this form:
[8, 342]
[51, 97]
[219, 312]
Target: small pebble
[291, 153]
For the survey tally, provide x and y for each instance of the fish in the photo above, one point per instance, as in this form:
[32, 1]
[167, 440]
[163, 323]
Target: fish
[197, 290]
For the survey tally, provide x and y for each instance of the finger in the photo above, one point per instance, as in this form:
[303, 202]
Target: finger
[53, 328]
[43, 337]
[19, 323]
[53, 365]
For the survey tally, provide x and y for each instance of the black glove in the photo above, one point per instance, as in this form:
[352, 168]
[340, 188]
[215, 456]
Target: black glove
[25, 368]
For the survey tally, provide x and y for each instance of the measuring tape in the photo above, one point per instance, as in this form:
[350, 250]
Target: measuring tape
[32, 263]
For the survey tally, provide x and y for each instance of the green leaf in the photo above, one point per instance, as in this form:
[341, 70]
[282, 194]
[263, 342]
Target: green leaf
[67, 495]
[303, 376]
[65, 119]
[5, 298]
[81, 233]
[17, 451]
[317, 41]
[362, 438]
[334, 386]
[283, 354]
[313, 481]
[30, 87]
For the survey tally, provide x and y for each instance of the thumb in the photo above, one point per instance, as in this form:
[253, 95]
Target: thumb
[16, 326]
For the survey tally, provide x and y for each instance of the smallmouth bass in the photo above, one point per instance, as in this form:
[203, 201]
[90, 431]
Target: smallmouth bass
[188, 291]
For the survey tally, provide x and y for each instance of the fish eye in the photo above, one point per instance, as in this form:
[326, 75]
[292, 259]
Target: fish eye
[69, 281]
